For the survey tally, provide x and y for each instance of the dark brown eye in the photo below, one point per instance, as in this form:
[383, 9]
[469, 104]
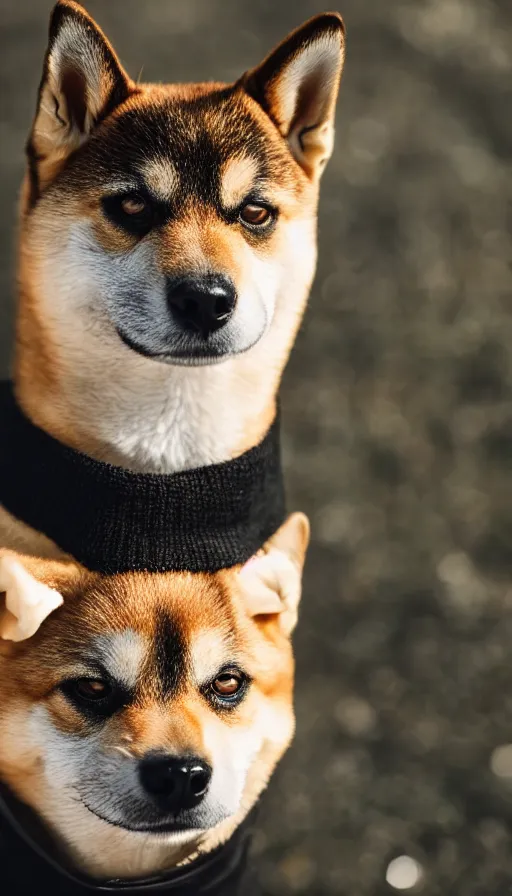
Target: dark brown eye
[91, 688]
[95, 698]
[133, 205]
[132, 212]
[255, 215]
[227, 684]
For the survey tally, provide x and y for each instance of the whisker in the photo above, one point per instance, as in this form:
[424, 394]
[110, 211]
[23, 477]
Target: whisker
[123, 751]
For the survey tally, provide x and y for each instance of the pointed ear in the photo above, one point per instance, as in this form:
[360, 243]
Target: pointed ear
[30, 593]
[297, 86]
[82, 82]
[271, 580]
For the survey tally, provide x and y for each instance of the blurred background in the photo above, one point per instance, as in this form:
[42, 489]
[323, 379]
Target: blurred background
[397, 431]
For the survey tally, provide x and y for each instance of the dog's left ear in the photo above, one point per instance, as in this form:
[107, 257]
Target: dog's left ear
[28, 584]
[271, 580]
[297, 86]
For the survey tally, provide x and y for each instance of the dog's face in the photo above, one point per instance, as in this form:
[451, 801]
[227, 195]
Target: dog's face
[156, 705]
[175, 220]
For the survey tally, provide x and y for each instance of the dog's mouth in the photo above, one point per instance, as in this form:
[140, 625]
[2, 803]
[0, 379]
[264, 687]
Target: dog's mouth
[157, 828]
[190, 349]
[196, 354]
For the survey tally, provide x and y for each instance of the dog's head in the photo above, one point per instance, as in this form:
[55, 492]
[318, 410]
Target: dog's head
[177, 220]
[144, 710]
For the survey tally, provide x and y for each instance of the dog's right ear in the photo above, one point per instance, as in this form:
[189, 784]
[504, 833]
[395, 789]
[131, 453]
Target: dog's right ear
[31, 590]
[82, 82]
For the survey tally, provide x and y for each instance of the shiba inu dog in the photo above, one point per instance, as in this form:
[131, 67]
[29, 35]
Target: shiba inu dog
[167, 248]
[143, 716]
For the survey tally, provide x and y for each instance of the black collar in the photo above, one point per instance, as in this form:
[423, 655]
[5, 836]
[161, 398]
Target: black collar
[113, 520]
[30, 864]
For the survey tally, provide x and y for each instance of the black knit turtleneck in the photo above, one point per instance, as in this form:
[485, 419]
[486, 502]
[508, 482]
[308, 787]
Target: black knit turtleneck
[113, 520]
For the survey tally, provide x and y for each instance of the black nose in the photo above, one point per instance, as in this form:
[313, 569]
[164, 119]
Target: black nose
[177, 784]
[201, 304]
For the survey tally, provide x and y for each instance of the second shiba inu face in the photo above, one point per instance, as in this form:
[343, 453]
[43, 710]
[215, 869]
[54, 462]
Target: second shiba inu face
[146, 710]
[178, 220]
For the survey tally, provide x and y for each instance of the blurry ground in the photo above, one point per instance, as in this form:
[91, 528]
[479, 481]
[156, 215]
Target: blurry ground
[398, 430]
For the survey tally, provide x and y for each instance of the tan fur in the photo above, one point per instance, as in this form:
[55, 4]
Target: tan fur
[237, 177]
[24, 539]
[161, 175]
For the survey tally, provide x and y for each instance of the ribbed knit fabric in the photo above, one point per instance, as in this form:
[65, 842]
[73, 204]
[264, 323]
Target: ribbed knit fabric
[30, 864]
[112, 520]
